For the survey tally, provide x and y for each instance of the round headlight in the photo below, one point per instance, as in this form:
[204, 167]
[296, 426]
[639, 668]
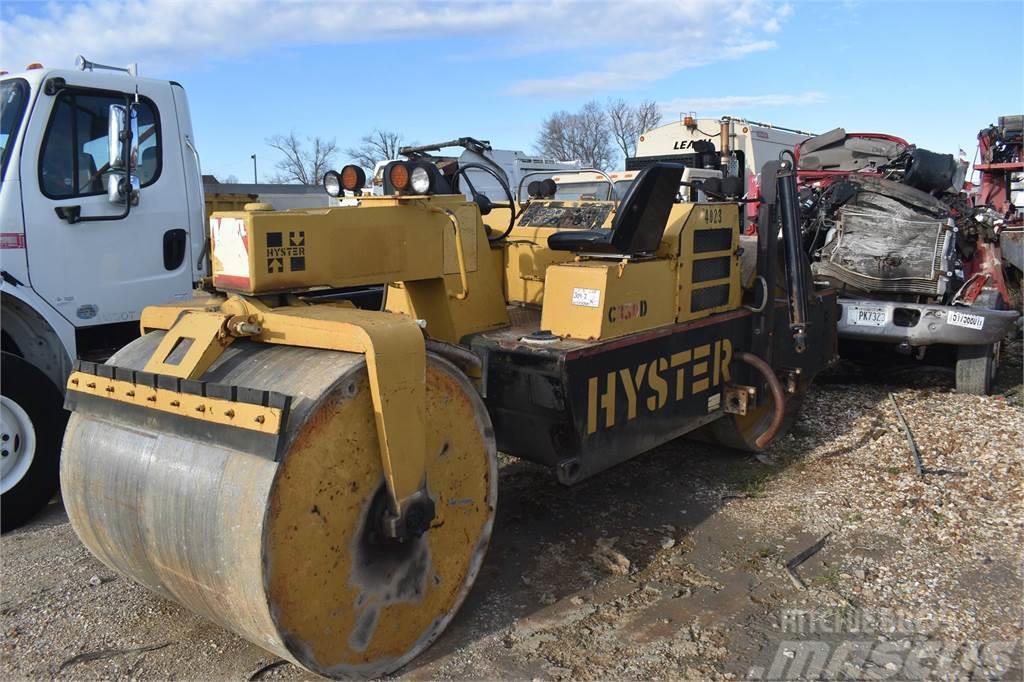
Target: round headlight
[353, 178]
[420, 180]
[399, 176]
[332, 183]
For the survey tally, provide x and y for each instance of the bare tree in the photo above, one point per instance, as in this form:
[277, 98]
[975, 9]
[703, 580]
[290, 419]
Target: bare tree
[584, 135]
[301, 165]
[630, 121]
[231, 180]
[380, 145]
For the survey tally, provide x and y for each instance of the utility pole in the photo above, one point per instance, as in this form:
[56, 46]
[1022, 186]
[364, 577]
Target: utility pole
[255, 178]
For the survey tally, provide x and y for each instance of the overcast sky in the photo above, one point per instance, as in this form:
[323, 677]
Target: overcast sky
[932, 72]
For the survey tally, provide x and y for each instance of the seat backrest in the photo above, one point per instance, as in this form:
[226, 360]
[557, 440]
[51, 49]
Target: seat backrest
[643, 212]
[147, 167]
[88, 180]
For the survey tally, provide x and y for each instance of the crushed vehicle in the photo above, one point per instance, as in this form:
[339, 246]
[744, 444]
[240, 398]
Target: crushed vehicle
[999, 168]
[915, 259]
[321, 478]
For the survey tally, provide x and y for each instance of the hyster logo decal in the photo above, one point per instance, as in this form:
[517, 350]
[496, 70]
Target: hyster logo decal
[294, 251]
[650, 385]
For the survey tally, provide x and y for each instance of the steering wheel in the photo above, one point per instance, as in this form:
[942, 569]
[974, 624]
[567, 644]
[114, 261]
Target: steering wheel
[482, 200]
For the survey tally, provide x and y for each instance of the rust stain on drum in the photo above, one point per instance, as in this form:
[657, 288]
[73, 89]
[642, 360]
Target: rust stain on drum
[342, 604]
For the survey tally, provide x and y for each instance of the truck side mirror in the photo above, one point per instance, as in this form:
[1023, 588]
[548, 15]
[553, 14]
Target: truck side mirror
[123, 152]
[120, 187]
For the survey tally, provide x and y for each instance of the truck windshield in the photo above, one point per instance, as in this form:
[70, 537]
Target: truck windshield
[13, 99]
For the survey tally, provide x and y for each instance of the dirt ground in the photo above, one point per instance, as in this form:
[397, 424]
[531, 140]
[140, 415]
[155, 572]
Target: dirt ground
[671, 566]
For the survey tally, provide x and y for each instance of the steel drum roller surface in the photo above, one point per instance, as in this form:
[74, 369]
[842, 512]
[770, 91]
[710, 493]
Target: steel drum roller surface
[280, 552]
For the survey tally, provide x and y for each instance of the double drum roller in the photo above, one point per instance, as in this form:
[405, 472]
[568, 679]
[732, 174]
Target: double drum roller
[284, 553]
[322, 479]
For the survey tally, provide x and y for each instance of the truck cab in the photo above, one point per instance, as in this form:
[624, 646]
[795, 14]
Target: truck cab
[736, 147]
[87, 241]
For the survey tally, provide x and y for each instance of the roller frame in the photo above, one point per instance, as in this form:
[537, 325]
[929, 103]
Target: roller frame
[395, 353]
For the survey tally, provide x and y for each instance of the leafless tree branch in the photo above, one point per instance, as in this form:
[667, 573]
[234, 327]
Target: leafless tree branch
[629, 122]
[584, 135]
[300, 165]
[380, 145]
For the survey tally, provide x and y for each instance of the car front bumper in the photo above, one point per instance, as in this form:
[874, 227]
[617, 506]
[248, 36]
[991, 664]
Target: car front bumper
[922, 324]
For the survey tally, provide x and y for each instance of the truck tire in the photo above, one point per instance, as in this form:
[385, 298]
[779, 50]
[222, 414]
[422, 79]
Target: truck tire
[31, 431]
[976, 368]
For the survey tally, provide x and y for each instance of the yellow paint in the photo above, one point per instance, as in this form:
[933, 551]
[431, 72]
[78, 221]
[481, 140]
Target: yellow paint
[201, 408]
[383, 239]
[205, 338]
[631, 297]
[332, 468]
[527, 259]
[395, 359]
[700, 218]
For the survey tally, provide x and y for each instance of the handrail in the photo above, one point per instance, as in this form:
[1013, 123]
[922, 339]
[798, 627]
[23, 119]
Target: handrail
[611, 183]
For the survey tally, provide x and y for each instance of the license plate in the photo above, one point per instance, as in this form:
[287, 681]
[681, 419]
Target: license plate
[865, 316]
[965, 320]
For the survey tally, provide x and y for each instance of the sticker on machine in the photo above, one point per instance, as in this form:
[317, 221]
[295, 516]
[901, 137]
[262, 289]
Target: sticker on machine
[588, 298]
[230, 251]
[955, 317]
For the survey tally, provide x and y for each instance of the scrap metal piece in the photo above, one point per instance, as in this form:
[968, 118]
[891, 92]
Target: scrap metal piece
[803, 556]
[910, 437]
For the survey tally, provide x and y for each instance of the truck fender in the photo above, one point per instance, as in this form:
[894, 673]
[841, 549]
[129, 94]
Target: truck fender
[33, 331]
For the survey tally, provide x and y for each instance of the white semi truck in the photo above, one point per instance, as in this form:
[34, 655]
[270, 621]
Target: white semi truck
[87, 240]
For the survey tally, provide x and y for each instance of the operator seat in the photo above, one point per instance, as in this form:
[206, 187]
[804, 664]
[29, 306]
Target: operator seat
[639, 222]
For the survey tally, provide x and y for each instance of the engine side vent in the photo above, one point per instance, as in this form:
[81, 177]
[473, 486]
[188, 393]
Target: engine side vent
[713, 239]
[709, 271]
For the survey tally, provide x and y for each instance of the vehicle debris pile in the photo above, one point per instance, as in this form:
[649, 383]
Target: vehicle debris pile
[914, 256]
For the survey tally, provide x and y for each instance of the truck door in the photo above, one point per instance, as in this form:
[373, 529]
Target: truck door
[106, 271]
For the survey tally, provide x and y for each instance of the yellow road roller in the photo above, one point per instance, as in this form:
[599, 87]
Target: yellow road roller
[320, 477]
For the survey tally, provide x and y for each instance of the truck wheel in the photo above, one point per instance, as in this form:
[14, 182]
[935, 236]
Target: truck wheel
[976, 368]
[32, 420]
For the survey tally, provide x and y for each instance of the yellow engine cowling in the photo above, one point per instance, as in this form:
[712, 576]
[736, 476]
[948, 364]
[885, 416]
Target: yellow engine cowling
[695, 273]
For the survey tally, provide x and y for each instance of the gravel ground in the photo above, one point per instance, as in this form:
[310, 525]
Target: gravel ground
[671, 566]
